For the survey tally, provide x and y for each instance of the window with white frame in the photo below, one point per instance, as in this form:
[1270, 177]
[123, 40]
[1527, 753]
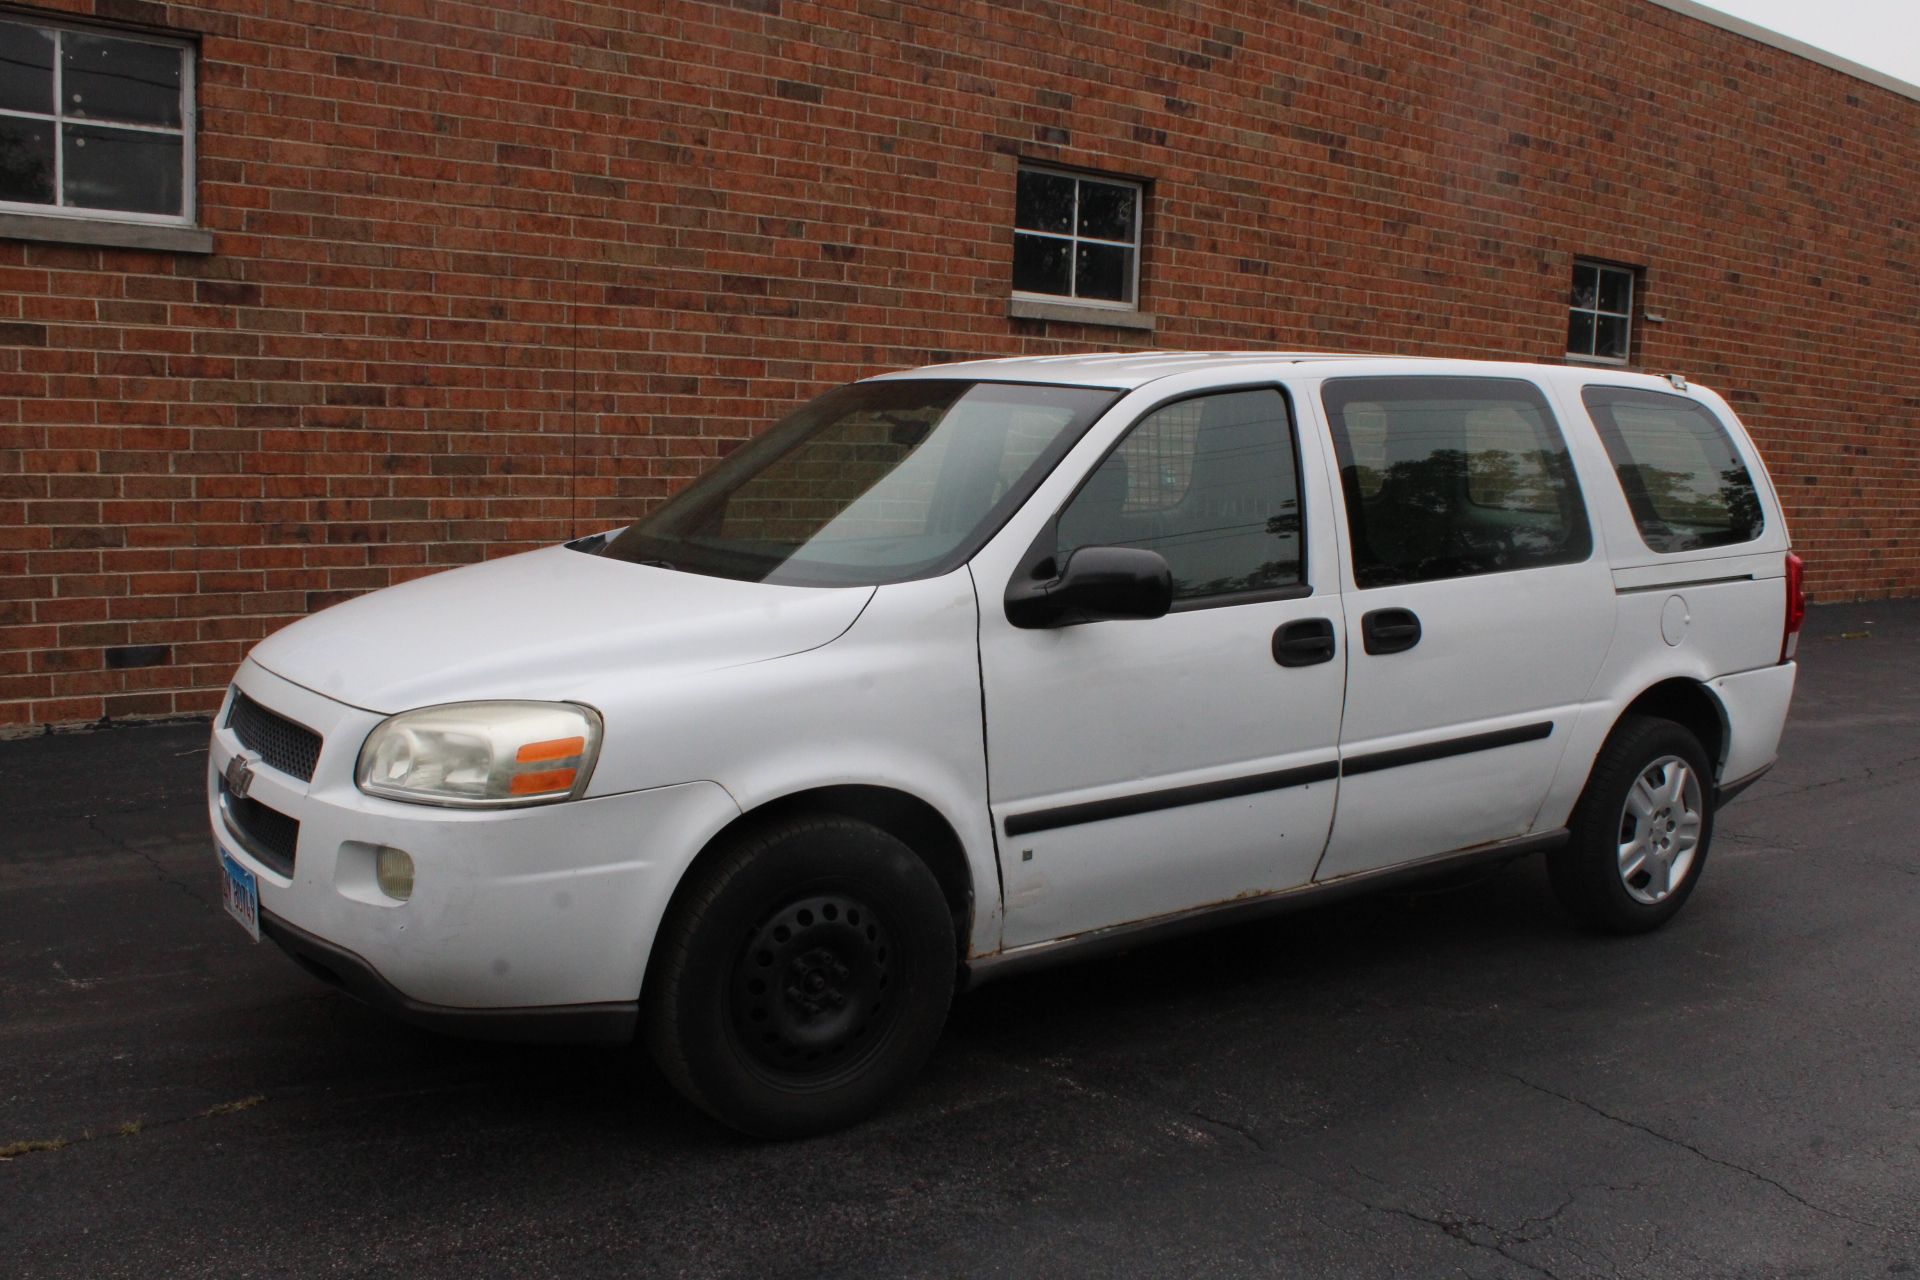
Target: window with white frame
[1600, 318]
[95, 124]
[1076, 237]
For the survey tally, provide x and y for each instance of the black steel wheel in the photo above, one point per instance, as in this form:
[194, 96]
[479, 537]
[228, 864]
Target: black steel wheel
[802, 976]
[810, 990]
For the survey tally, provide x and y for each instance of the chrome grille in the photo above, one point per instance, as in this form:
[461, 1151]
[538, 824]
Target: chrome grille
[279, 742]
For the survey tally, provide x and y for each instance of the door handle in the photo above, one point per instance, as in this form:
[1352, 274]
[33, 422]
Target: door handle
[1304, 643]
[1389, 630]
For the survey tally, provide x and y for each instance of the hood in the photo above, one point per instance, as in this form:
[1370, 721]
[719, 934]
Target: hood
[548, 624]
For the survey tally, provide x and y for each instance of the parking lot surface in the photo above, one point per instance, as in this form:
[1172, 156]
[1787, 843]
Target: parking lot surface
[1453, 1081]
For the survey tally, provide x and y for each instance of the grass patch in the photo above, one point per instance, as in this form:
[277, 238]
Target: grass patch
[126, 1129]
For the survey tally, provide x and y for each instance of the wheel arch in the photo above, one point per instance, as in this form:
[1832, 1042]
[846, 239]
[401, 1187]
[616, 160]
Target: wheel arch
[902, 815]
[1693, 706]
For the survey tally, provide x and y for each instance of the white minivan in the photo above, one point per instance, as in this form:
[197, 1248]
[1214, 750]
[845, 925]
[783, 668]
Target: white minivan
[973, 667]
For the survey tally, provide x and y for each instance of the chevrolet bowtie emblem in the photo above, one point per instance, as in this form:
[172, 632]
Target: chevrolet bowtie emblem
[239, 776]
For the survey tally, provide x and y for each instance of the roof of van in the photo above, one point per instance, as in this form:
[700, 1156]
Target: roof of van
[1129, 369]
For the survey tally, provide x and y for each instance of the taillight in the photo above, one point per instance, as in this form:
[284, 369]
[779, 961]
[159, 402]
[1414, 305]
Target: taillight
[1796, 605]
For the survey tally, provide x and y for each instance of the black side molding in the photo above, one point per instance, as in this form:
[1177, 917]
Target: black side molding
[1374, 761]
[612, 1023]
[1069, 815]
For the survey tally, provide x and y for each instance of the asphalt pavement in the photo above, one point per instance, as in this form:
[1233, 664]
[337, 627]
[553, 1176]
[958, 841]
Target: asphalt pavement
[1450, 1082]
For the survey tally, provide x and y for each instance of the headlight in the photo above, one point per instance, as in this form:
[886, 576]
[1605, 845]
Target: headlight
[482, 754]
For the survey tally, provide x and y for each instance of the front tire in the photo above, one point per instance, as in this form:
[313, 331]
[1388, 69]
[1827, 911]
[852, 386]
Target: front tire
[1641, 830]
[802, 977]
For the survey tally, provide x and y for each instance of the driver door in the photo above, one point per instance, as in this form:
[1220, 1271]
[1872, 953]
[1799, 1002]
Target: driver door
[1143, 767]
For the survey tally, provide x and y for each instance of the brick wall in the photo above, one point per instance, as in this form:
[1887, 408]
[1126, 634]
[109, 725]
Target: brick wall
[487, 275]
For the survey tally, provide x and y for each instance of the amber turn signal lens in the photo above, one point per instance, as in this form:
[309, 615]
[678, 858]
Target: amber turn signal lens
[536, 784]
[552, 749]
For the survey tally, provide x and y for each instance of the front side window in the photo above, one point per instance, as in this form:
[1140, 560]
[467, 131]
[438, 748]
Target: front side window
[1212, 484]
[871, 483]
[1076, 237]
[1446, 477]
[95, 124]
[1600, 315]
[1683, 480]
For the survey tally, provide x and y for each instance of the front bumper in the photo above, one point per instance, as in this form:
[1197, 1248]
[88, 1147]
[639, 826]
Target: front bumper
[518, 917]
[611, 1023]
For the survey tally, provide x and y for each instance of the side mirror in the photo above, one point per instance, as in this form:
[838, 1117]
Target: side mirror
[1096, 584]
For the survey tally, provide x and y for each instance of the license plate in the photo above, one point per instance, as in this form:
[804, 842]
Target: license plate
[241, 894]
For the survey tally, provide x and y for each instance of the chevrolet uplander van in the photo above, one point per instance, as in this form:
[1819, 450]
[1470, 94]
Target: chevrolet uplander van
[981, 666]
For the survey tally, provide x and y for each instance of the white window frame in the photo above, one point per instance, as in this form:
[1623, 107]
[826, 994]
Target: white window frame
[1075, 239]
[1593, 357]
[189, 119]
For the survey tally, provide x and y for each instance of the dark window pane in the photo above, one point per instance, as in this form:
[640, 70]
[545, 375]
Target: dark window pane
[1616, 291]
[1610, 339]
[1044, 202]
[121, 169]
[1585, 285]
[1104, 272]
[1208, 483]
[26, 160]
[26, 68]
[1106, 211]
[1040, 265]
[1580, 333]
[1445, 477]
[131, 80]
[1506, 470]
[1684, 482]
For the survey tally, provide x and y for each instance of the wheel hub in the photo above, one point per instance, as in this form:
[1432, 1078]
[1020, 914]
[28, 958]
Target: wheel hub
[814, 983]
[811, 986]
[1660, 826]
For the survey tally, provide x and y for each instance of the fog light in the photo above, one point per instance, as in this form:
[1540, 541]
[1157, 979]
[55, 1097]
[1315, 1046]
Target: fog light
[393, 870]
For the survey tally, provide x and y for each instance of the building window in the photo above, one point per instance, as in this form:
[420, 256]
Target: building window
[95, 125]
[1077, 237]
[1600, 321]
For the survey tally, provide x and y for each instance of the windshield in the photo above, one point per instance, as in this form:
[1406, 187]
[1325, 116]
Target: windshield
[871, 483]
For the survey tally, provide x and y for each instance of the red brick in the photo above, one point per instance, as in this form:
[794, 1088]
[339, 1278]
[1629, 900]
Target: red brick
[475, 272]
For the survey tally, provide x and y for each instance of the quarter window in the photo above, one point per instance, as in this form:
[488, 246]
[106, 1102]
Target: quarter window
[1600, 318]
[95, 124]
[1684, 482]
[1212, 484]
[1448, 477]
[1076, 237]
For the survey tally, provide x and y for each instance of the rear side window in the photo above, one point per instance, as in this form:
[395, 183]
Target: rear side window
[1685, 483]
[1210, 483]
[1449, 477]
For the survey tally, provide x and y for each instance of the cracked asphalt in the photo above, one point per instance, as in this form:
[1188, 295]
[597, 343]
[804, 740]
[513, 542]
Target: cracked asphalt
[1450, 1082]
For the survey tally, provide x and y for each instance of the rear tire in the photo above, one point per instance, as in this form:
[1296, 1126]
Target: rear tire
[1641, 830]
[802, 977]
